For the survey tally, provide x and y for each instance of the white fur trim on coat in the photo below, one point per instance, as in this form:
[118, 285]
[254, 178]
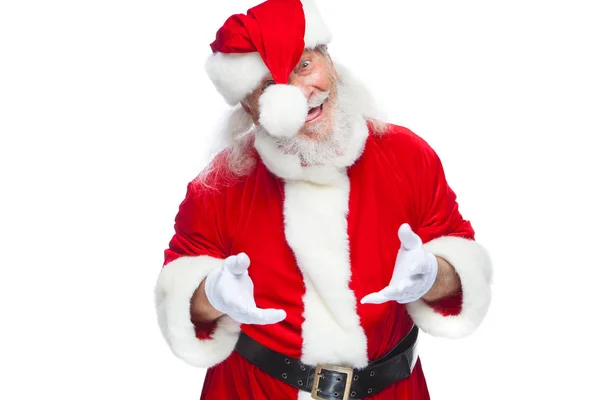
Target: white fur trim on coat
[316, 230]
[176, 285]
[474, 267]
[235, 75]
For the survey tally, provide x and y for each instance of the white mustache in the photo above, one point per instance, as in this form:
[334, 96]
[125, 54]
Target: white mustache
[318, 99]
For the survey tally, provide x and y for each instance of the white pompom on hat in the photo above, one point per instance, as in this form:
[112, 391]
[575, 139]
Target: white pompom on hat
[283, 110]
[269, 39]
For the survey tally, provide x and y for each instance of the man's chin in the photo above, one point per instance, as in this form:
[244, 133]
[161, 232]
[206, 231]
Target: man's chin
[314, 132]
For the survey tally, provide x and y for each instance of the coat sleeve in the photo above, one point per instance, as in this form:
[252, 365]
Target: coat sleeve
[198, 246]
[446, 234]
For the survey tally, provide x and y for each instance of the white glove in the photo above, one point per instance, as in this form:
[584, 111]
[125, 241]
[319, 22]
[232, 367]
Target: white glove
[414, 273]
[230, 290]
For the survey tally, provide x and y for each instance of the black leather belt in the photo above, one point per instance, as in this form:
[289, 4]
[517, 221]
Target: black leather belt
[331, 382]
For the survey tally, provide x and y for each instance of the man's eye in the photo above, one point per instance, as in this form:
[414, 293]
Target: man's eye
[305, 64]
[268, 83]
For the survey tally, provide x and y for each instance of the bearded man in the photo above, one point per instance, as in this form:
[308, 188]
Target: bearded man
[312, 250]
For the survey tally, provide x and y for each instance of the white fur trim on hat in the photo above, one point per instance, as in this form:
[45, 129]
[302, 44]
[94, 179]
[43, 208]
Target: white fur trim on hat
[175, 287]
[317, 32]
[474, 268]
[235, 75]
[283, 110]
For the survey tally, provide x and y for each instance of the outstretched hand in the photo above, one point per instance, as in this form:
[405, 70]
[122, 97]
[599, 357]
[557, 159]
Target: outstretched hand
[230, 290]
[414, 274]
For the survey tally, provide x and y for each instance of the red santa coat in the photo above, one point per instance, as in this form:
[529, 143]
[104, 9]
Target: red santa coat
[315, 251]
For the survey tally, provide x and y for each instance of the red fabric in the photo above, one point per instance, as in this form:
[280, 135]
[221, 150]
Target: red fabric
[191, 240]
[447, 306]
[275, 29]
[398, 179]
[435, 202]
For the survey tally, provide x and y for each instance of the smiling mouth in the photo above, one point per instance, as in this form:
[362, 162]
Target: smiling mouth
[314, 113]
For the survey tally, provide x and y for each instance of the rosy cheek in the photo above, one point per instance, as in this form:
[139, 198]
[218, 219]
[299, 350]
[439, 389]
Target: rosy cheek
[316, 80]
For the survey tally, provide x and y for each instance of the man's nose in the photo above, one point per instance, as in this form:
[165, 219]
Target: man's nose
[302, 84]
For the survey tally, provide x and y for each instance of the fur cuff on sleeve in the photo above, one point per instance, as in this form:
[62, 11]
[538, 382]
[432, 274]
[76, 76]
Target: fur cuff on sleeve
[473, 265]
[176, 285]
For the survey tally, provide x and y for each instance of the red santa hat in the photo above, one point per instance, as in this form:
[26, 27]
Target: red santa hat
[270, 38]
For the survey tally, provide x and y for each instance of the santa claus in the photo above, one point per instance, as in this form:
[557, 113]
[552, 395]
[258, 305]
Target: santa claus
[314, 248]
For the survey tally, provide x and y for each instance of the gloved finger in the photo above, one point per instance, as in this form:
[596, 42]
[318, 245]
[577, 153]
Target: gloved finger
[376, 297]
[408, 239]
[390, 292]
[266, 316]
[237, 265]
[407, 298]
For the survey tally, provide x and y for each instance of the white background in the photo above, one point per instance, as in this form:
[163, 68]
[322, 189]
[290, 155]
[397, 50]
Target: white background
[106, 114]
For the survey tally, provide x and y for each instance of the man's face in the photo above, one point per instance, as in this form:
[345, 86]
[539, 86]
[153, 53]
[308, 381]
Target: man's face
[315, 76]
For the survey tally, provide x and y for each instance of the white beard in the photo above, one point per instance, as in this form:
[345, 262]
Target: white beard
[345, 115]
[319, 161]
[238, 134]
